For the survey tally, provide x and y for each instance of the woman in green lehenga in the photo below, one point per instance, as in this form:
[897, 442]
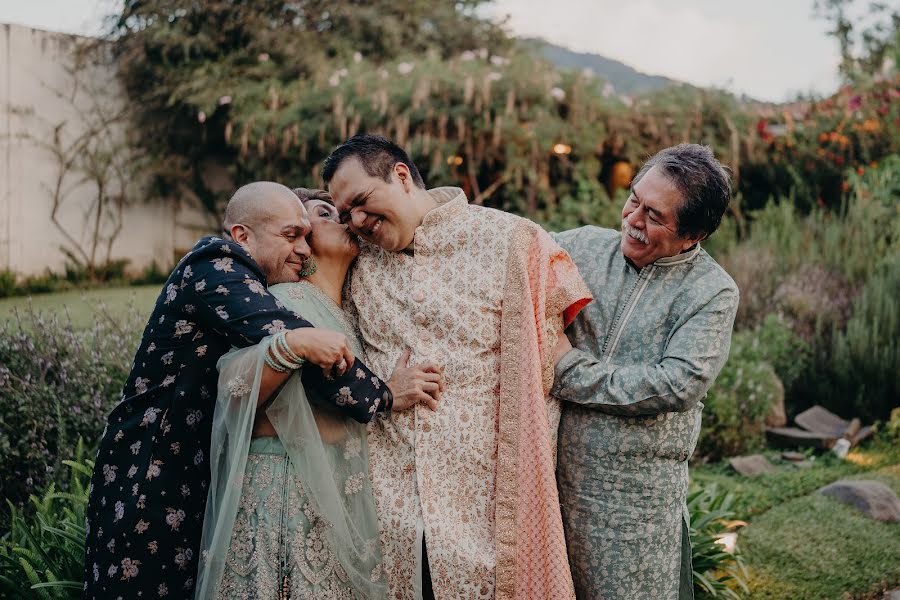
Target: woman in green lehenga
[290, 511]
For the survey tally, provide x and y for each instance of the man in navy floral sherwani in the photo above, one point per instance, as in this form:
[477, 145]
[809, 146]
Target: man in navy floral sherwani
[149, 487]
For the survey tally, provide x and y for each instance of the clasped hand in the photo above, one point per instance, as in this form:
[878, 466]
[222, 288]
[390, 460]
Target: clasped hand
[411, 385]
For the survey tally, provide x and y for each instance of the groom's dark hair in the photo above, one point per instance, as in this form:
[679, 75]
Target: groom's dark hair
[376, 154]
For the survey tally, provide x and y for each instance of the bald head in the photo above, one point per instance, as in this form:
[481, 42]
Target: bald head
[270, 222]
[258, 203]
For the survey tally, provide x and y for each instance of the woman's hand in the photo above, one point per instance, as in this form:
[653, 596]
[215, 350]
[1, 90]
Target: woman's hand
[323, 347]
[411, 385]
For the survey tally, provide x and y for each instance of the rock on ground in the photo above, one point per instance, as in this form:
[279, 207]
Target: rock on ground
[872, 498]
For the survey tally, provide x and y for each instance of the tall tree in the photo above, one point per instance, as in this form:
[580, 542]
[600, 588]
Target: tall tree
[182, 61]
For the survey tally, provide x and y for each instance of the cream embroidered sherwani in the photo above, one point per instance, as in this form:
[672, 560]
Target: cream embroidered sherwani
[436, 473]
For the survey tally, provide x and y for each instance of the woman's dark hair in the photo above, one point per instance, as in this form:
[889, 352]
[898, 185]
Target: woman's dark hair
[377, 154]
[704, 184]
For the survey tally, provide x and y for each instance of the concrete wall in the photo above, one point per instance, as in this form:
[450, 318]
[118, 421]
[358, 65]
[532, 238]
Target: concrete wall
[38, 93]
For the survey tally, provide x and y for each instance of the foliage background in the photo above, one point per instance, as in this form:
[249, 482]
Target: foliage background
[265, 89]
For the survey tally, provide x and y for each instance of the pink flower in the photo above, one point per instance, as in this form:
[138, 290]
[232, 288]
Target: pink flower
[855, 102]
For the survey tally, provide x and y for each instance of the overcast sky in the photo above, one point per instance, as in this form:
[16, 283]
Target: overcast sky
[769, 49]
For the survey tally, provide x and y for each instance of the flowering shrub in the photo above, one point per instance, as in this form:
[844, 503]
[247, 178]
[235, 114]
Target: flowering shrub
[807, 149]
[57, 384]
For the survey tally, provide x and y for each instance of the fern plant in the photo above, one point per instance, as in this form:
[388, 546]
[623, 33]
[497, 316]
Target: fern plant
[718, 573]
[42, 554]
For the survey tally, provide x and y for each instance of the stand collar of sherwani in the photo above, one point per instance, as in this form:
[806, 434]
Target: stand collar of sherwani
[686, 256]
[670, 261]
[451, 201]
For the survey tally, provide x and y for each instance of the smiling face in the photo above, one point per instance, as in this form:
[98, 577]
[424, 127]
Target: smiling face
[277, 239]
[650, 220]
[328, 237]
[380, 212]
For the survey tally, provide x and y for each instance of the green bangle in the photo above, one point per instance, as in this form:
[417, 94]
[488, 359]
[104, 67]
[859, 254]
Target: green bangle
[281, 340]
[276, 354]
[273, 349]
[272, 364]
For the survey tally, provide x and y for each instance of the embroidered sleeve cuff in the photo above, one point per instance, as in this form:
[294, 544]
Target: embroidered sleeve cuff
[565, 370]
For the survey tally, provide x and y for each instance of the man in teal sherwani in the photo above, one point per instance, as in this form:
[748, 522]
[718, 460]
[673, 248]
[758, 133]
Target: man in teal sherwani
[646, 351]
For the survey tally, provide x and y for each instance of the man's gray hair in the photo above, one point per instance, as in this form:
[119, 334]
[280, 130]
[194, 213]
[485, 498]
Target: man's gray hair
[307, 194]
[704, 184]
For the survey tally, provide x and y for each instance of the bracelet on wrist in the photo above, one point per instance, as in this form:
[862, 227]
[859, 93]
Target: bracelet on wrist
[281, 340]
[273, 365]
[276, 354]
[276, 360]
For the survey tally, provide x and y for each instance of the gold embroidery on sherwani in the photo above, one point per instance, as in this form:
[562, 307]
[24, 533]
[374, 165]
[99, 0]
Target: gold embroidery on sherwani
[542, 292]
[443, 301]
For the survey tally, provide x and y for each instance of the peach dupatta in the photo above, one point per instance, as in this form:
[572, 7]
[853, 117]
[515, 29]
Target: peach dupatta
[542, 283]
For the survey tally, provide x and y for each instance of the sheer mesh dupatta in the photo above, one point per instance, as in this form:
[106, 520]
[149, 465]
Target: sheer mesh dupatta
[328, 454]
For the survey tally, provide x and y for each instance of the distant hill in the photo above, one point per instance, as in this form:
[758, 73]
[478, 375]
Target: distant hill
[625, 79]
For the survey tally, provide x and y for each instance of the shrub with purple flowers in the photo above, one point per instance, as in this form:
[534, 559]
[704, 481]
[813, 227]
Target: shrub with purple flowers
[57, 384]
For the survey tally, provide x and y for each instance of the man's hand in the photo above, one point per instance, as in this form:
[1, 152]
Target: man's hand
[562, 347]
[418, 383]
[323, 347]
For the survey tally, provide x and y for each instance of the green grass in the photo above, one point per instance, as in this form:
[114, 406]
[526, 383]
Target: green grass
[756, 495]
[84, 306]
[800, 545]
[814, 547]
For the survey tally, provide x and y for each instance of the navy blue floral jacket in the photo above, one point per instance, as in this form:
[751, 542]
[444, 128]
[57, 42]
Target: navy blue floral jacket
[149, 487]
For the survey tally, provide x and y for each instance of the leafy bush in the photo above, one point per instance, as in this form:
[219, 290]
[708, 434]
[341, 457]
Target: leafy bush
[761, 363]
[587, 205]
[152, 273]
[42, 553]
[753, 268]
[855, 365]
[56, 384]
[857, 371]
[776, 343]
[76, 276]
[832, 277]
[737, 405]
[7, 283]
[44, 284]
[717, 573]
[891, 428]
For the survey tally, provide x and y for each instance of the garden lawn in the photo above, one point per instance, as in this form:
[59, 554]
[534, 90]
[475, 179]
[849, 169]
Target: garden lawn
[814, 547]
[84, 306]
[800, 545]
[756, 495]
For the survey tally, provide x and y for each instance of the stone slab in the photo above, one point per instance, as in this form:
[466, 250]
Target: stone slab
[751, 466]
[863, 434]
[793, 437]
[821, 420]
[872, 498]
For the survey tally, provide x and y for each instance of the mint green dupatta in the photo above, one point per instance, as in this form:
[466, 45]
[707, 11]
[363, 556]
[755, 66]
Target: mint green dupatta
[328, 453]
